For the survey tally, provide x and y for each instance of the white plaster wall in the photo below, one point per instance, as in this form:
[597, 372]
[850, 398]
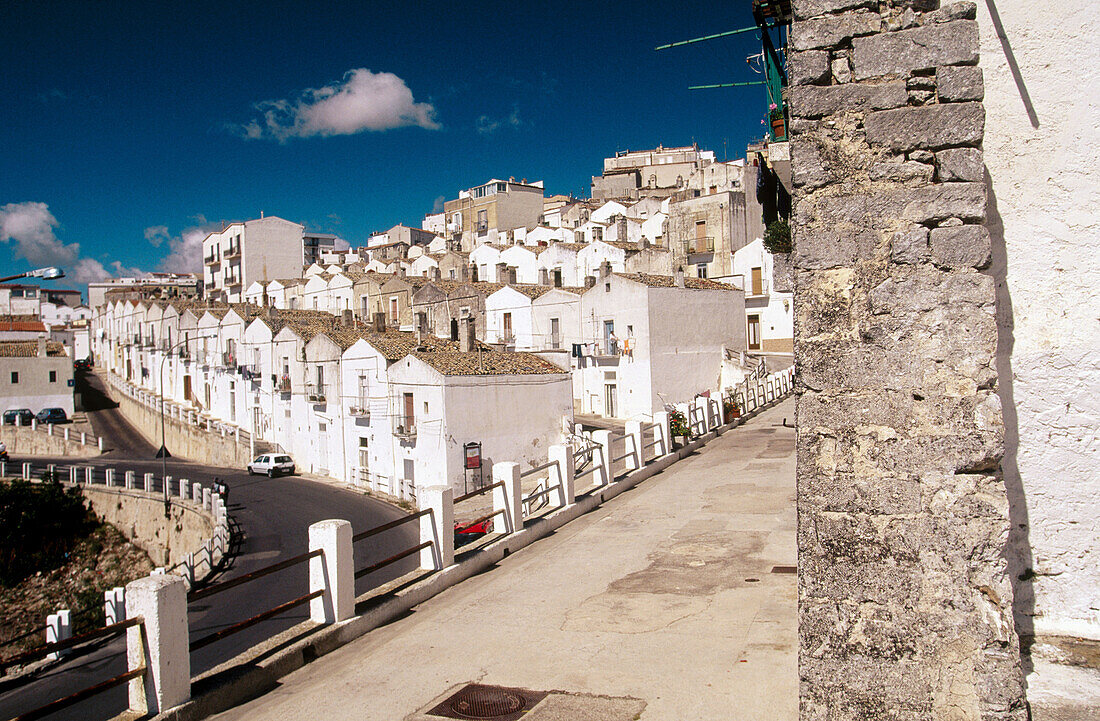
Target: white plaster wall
[486, 257]
[558, 256]
[1042, 87]
[508, 300]
[564, 306]
[525, 262]
[594, 254]
[627, 305]
[776, 310]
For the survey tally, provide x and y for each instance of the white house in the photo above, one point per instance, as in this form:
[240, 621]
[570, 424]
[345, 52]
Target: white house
[607, 211]
[652, 340]
[515, 405]
[485, 258]
[559, 260]
[769, 313]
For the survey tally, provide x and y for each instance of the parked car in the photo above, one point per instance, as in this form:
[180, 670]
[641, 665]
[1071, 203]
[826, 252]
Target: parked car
[18, 416]
[272, 464]
[51, 415]
[82, 364]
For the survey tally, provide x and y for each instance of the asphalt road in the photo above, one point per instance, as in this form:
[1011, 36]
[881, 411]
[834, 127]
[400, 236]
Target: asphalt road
[270, 518]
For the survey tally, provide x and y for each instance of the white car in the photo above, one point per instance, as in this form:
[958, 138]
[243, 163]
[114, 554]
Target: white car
[271, 464]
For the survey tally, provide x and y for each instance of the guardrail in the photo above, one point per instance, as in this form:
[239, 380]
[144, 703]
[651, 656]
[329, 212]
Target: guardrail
[764, 390]
[66, 433]
[179, 412]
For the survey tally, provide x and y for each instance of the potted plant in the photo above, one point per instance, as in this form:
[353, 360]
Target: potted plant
[679, 427]
[730, 410]
[778, 121]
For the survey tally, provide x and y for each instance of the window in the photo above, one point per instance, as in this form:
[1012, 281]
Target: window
[425, 407]
[393, 309]
[410, 413]
[757, 281]
[507, 327]
[15, 376]
[320, 378]
[597, 234]
[53, 376]
[701, 270]
[555, 333]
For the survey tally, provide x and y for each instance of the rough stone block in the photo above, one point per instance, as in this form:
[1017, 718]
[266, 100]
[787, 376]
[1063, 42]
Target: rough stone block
[808, 68]
[955, 83]
[842, 70]
[811, 8]
[964, 246]
[808, 169]
[831, 30]
[960, 164]
[816, 101]
[930, 127]
[907, 172]
[919, 48]
[822, 248]
[953, 11]
[944, 200]
[910, 246]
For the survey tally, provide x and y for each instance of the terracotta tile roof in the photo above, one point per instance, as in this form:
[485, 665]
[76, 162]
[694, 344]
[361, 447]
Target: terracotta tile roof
[452, 362]
[623, 245]
[575, 247]
[392, 344]
[19, 318]
[289, 282]
[532, 291]
[31, 326]
[668, 281]
[28, 349]
[485, 287]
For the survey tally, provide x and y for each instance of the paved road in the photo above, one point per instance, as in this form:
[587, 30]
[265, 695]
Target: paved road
[674, 600]
[272, 516]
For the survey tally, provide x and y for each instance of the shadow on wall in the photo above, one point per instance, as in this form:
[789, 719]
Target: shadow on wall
[1018, 551]
[1013, 66]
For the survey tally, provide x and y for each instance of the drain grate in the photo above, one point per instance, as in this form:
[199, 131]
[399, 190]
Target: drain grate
[495, 703]
[784, 569]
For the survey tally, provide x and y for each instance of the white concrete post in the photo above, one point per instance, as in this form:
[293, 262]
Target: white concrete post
[83, 438]
[114, 605]
[663, 419]
[562, 456]
[59, 627]
[130, 479]
[700, 405]
[603, 440]
[634, 440]
[34, 424]
[509, 497]
[3, 469]
[196, 493]
[109, 476]
[206, 498]
[159, 643]
[149, 482]
[72, 475]
[332, 572]
[100, 443]
[189, 569]
[26, 471]
[49, 429]
[87, 475]
[66, 431]
[438, 527]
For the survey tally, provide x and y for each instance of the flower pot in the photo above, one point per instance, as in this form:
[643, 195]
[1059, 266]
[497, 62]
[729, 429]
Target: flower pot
[779, 128]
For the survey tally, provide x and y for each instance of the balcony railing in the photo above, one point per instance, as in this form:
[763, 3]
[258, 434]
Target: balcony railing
[211, 260]
[283, 384]
[229, 359]
[232, 252]
[555, 341]
[699, 245]
[360, 411]
[315, 393]
[404, 427]
[184, 354]
[508, 337]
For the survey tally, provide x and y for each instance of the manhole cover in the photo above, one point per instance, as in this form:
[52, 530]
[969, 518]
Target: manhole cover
[477, 701]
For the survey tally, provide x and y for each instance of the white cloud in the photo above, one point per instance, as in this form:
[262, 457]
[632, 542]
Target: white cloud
[486, 125]
[437, 204]
[185, 249]
[156, 234]
[30, 227]
[341, 245]
[363, 100]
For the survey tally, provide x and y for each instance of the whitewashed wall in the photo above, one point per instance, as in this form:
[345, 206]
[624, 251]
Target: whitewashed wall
[1042, 87]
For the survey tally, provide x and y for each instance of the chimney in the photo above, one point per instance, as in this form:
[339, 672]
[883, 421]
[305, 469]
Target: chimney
[544, 276]
[346, 318]
[513, 275]
[421, 326]
[557, 278]
[467, 339]
[502, 270]
[379, 322]
[620, 227]
[400, 270]
[271, 312]
[642, 243]
[41, 346]
[471, 271]
[590, 281]
[437, 274]
[605, 268]
[680, 277]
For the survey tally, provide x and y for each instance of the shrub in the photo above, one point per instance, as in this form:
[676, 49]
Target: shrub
[39, 525]
[678, 424]
[777, 237]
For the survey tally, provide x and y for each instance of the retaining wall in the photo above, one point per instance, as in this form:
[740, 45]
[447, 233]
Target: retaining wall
[140, 517]
[183, 440]
[25, 441]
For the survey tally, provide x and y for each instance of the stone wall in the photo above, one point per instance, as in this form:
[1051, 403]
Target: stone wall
[1042, 153]
[23, 441]
[140, 517]
[904, 600]
[184, 440]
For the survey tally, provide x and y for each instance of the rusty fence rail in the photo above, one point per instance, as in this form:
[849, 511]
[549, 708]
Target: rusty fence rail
[362, 535]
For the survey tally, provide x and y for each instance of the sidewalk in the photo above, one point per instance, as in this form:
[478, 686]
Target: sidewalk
[661, 604]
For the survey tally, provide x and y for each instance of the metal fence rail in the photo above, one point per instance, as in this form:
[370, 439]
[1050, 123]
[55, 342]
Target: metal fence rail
[252, 576]
[478, 492]
[253, 620]
[54, 706]
[110, 630]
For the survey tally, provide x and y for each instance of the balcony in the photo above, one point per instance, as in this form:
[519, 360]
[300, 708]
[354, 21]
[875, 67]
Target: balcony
[508, 338]
[555, 341]
[315, 393]
[183, 353]
[696, 246]
[229, 359]
[404, 427]
[360, 411]
[283, 385]
[211, 260]
[234, 251]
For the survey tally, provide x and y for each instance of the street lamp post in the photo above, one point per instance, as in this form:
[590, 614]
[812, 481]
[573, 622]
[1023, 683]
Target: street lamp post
[50, 273]
[163, 452]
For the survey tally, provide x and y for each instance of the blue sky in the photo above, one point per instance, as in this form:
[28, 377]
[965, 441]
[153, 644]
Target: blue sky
[130, 128]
